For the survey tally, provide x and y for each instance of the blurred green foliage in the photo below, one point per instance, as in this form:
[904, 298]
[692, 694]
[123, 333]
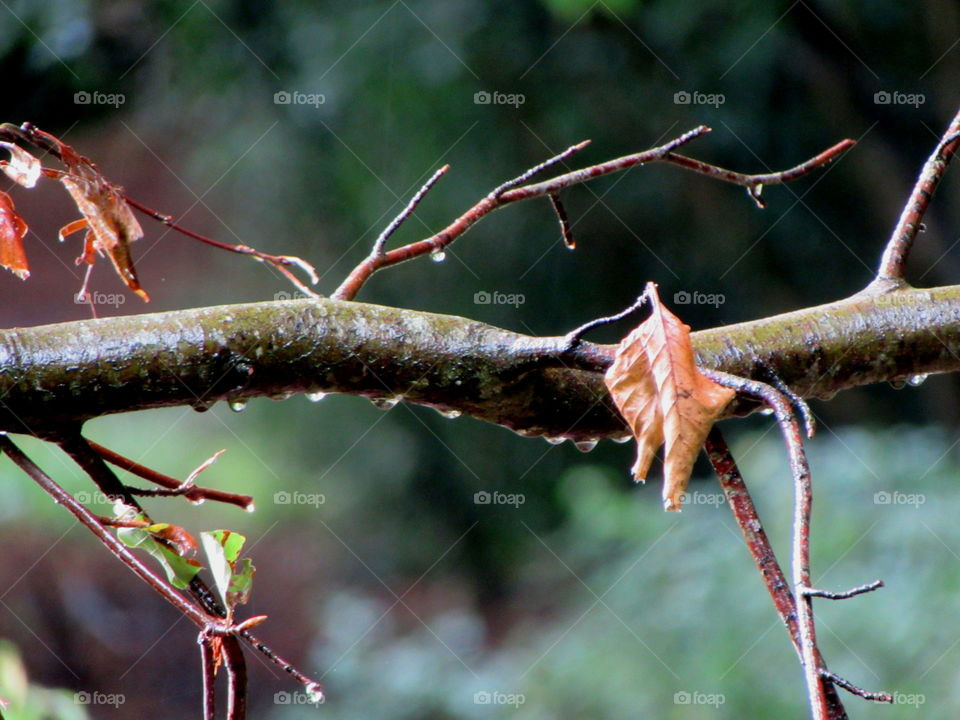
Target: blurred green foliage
[513, 593]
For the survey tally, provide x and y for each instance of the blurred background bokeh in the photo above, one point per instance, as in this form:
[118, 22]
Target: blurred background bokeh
[405, 596]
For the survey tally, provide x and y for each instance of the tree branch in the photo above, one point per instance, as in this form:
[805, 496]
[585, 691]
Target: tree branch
[55, 376]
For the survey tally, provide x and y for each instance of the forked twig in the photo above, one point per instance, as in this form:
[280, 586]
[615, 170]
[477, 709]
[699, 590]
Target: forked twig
[173, 486]
[745, 513]
[898, 247]
[816, 680]
[512, 191]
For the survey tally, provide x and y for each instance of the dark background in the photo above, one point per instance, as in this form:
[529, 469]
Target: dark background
[587, 600]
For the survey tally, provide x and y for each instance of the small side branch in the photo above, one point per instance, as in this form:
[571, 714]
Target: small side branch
[513, 191]
[890, 273]
[844, 595]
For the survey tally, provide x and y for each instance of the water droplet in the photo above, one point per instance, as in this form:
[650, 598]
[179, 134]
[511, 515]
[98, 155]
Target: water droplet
[450, 414]
[316, 396]
[201, 405]
[385, 403]
[237, 405]
[622, 440]
[438, 256]
[766, 411]
[898, 384]
[315, 693]
[585, 445]
[251, 507]
[554, 440]
[915, 380]
[197, 501]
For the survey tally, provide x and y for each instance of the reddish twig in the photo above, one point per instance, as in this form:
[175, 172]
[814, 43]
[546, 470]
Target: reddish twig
[173, 486]
[745, 513]
[898, 247]
[208, 665]
[27, 132]
[381, 241]
[816, 681]
[509, 193]
[566, 232]
[85, 517]
[280, 262]
[236, 668]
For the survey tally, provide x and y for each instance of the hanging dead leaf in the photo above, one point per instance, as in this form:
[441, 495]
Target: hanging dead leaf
[110, 223]
[655, 383]
[12, 231]
[23, 168]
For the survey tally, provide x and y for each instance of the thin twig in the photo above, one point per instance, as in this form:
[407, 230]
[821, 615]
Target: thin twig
[745, 513]
[845, 594]
[173, 486]
[536, 169]
[381, 241]
[573, 338]
[883, 697]
[799, 404]
[565, 230]
[236, 667]
[786, 419]
[898, 247]
[116, 547]
[208, 666]
[500, 197]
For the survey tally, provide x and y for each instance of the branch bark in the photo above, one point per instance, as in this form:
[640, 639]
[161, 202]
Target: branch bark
[55, 376]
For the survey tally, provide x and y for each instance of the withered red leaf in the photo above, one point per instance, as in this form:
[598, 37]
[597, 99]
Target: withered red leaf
[12, 231]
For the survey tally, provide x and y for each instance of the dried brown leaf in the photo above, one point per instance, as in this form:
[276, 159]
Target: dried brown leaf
[12, 231]
[655, 383]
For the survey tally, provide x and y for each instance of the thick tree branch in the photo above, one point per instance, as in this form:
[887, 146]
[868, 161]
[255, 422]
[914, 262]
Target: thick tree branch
[54, 376]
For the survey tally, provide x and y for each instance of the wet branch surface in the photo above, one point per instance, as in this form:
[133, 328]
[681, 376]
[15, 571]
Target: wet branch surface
[56, 376]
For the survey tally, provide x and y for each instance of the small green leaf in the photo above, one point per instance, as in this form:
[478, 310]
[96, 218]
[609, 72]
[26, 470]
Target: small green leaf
[223, 548]
[180, 570]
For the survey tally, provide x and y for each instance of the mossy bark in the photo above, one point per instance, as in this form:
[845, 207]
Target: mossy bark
[57, 376]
